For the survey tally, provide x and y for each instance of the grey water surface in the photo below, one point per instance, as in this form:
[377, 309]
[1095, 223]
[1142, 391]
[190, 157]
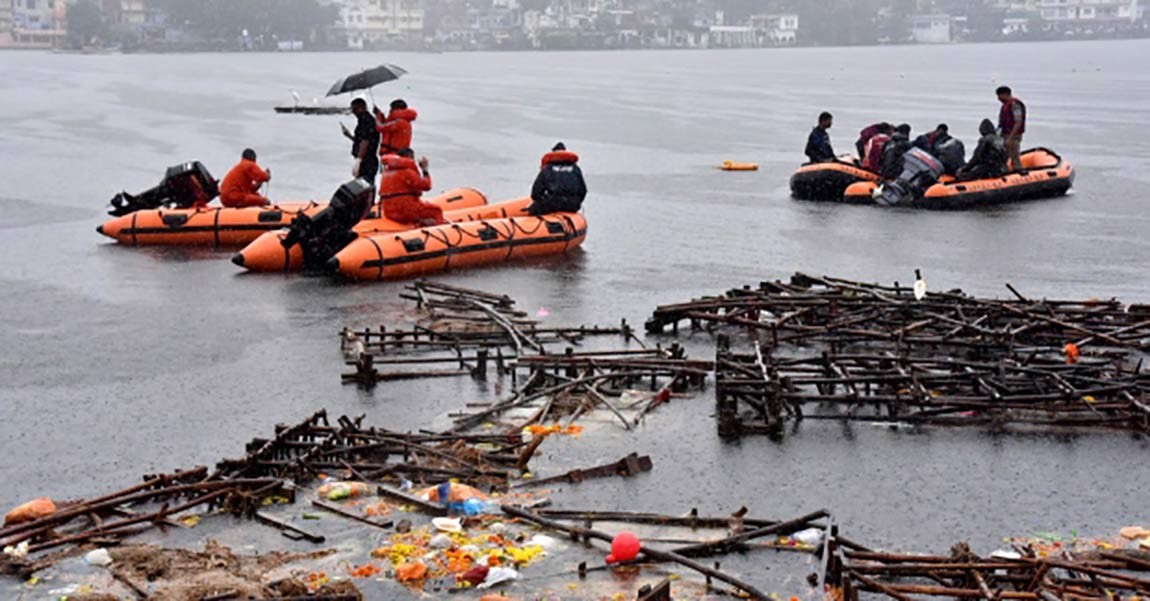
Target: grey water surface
[116, 361]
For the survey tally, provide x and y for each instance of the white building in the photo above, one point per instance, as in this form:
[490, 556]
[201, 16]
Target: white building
[38, 23]
[5, 23]
[1083, 11]
[930, 29]
[782, 29]
[732, 36]
[365, 23]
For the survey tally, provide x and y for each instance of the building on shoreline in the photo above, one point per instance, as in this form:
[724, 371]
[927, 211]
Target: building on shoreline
[368, 24]
[37, 23]
[931, 29]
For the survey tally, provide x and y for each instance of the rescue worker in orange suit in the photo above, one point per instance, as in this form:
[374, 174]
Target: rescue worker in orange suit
[395, 128]
[403, 183]
[241, 185]
[1011, 125]
[559, 187]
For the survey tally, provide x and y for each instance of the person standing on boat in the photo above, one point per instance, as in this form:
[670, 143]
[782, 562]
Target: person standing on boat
[988, 158]
[819, 142]
[395, 129]
[559, 187]
[240, 187]
[869, 132]
[1011, 125]
[403, 183]
[364, 143]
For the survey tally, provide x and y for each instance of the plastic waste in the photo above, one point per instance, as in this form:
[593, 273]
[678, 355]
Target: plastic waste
[1006, 554]
[19, 551]
[476, 575]
[474, 507]
[32, 510]
[497, 576]
[98, 557]
[440, 541]
[810, 536]
[447, 524]
[1134, 532]
[919, 286]
[542, 540]
[336, 491]
[624, 547]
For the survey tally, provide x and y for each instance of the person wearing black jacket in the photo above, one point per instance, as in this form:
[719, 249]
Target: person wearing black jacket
[559, 187]
[894, 150]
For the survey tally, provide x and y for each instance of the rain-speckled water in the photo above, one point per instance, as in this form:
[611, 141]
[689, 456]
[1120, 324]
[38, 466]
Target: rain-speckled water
[116, 362]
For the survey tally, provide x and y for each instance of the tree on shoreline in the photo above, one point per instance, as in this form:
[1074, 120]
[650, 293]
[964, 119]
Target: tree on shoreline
[228, 19]
[85, 22]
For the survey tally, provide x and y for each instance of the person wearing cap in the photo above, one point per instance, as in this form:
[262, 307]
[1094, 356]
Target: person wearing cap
[400, 190]
[819, 148]
[559, 187]
[240, 187]
[395, 129]
[364, 143]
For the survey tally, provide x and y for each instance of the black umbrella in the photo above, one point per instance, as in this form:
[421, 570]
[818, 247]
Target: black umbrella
[365, 80]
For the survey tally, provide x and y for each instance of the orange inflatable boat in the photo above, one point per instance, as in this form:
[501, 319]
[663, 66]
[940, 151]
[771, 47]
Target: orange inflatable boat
[828, 181]
[393, 256]
[268, 254]
[226, 227]
[1045, 175]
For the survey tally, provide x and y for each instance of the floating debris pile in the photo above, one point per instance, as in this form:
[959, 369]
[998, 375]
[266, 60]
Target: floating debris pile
[866, 352]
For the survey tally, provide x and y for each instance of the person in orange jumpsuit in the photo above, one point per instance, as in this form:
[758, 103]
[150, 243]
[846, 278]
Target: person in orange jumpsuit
[401, 186]
[241, 185]
[395, 128]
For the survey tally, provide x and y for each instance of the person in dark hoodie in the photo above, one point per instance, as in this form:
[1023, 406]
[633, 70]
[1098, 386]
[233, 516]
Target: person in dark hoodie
[559, 187]
[890, 165]
[819, 142]
[989, 158]
[395, 129]
[931, 139]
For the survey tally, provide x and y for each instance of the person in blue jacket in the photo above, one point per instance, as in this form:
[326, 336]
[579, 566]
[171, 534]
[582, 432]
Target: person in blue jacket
[819, 142]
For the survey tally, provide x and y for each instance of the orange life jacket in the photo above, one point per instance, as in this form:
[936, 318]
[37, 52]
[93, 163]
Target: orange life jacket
[395, 131]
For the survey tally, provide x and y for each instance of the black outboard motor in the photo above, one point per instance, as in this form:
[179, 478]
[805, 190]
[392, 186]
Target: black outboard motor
[327, 232]
[920, 171]
[183, 186]
[952, 153]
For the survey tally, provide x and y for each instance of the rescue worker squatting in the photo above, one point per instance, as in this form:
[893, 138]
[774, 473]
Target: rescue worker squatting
[241, 185]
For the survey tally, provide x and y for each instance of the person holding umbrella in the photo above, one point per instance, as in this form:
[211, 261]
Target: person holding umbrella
[364, 143]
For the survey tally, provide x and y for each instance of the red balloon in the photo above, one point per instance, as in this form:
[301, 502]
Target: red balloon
[624, 547]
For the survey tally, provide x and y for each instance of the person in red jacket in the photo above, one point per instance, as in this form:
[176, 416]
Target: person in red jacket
[1011, 125]
[401, 186]
[395, 128]
[241, 185]
[872, 158]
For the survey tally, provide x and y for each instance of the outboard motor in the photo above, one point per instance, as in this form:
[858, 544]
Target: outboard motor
[183, 186]
[920, 171]
[327, 232]
[952, 154]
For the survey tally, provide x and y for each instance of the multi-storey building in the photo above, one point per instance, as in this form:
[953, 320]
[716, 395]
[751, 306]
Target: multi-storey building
[366, 23]
[38, 23]
[1085, 11]
[775, 30]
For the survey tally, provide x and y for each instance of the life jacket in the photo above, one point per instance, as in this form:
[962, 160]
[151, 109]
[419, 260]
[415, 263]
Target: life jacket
[559, 156]
[560, 184]
[395, 132]
[874, 148]
[402, 182]
[1006, 117]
